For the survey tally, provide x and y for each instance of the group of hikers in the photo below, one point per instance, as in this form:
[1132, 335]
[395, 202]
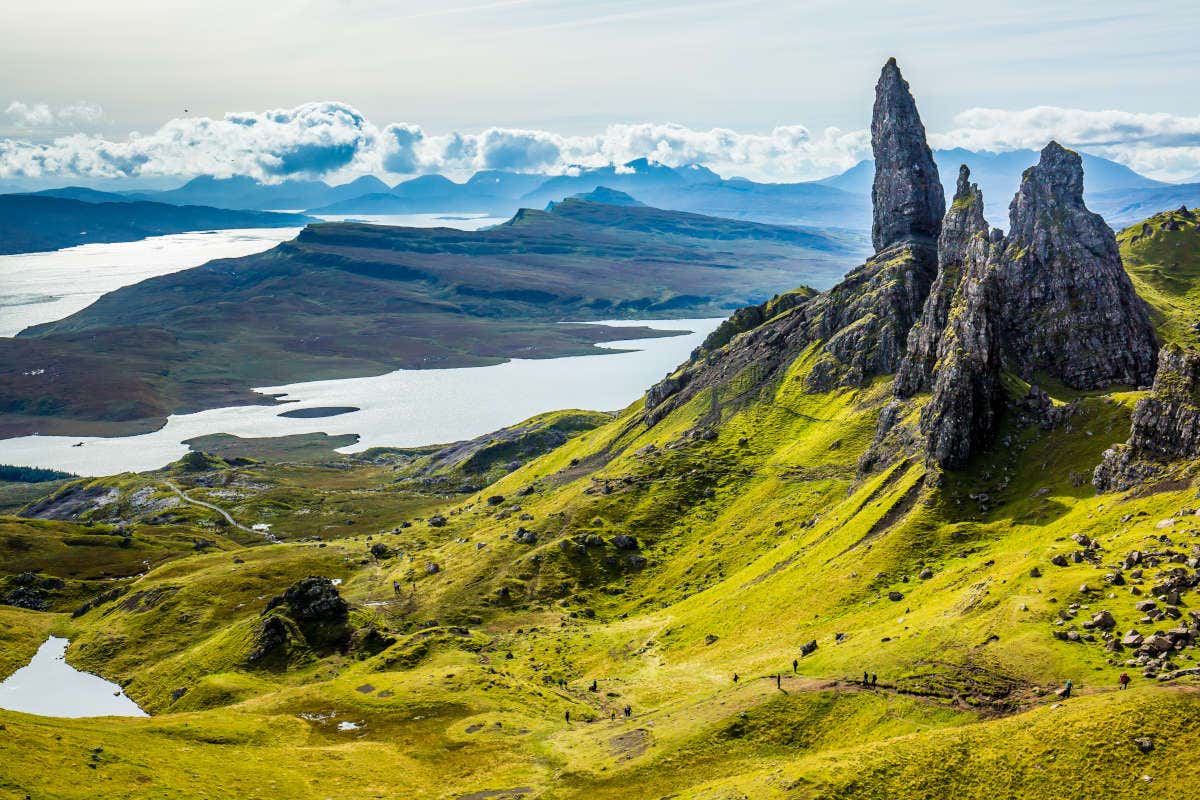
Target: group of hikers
[870, 680]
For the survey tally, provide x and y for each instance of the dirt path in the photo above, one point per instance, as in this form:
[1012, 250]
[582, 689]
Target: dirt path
[228, 518]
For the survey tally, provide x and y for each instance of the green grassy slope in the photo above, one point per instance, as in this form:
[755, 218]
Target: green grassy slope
[755, 536]
[1162, 255]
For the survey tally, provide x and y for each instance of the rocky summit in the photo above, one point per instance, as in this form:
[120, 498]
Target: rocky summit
[1068, 308]
[1049, 299]
[862, 324]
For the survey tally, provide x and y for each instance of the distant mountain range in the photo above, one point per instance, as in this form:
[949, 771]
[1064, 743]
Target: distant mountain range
[72, 216]
[839, 201]
[999, 174]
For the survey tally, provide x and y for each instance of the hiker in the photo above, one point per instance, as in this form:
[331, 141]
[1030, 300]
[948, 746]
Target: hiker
[613, 717]
[628, 711]
[874, 680]
[1066, 690]
[1124, 680]
[778, 682]
[795, 666]
[866, 680]
[396, 587]
[568, 717]
[735, 677]
[593, 687]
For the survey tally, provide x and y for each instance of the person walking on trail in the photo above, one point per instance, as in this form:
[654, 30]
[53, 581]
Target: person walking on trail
[735, 677]
[1066, 690]
[778, 681]
[396, 587]
[567, 716]
[874, 680]
[866, 680]
[1124, 680]
[594, 687]
[628, 711]
[795, 666]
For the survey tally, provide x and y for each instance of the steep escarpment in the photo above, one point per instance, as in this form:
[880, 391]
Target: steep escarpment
[1166, 425]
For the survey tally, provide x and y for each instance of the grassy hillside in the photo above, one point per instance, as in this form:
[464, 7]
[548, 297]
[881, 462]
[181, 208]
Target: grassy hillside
[345, 300]
[755, 536]
[1162, 255]
[559, 610]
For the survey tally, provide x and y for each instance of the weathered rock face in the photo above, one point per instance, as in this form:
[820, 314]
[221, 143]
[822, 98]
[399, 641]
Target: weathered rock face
[953, 350]
[1166, 425]
[1050, 297]
[907, 194]
[964, 221]
[863, 322]
[1068, 308]
[961, 415]
[309, 611]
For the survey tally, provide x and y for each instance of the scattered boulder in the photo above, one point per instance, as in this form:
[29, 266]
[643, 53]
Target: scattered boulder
[624, 542]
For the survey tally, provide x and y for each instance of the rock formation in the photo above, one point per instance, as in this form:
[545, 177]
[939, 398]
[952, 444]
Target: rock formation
[1068, 307]
[967, 397]
[1050, 298]
[907, 193]
[1166, 425]
[863, 322]
[963, 222]
[309, 611]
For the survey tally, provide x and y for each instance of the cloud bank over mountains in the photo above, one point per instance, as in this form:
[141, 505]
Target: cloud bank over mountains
[321, 139]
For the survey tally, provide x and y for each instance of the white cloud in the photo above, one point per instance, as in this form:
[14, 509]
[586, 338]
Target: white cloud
[311, 139]
[330, 138]
[1162, 145]
[42, 116]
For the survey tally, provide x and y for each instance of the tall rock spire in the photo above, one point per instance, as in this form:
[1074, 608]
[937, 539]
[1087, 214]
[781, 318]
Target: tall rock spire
[907, 193]
[963, 222]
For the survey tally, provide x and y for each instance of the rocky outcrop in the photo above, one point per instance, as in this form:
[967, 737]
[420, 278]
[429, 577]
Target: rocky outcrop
[310, 612]
[967, 398]
[862, 323]
[952, 350]
[1166, 425]
[907, 193]
[1050, 298]
[964, 221]
[1068, 307]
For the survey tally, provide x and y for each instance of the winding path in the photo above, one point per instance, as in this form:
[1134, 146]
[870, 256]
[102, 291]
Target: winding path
[228, 518]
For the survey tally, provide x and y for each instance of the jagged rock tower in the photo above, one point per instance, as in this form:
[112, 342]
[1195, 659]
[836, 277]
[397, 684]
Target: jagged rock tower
[1069, 308]
[907, 195]
[1050, 298]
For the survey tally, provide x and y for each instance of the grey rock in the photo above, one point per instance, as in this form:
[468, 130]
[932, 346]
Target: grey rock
[1166, 425]
[907, 193]
[1069, 307]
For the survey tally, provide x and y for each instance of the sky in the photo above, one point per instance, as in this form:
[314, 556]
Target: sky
[767, 89]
